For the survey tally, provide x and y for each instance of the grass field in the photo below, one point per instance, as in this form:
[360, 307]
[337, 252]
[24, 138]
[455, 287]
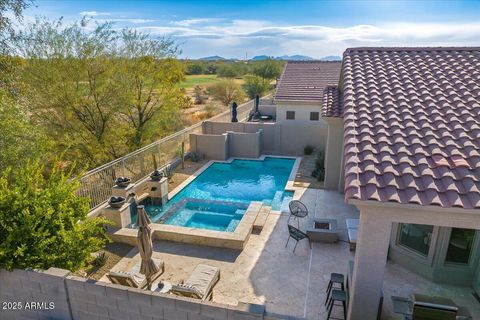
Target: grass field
[201, 79]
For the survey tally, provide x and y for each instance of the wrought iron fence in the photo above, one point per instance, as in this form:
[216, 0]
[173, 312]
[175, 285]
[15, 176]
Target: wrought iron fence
[97, 184]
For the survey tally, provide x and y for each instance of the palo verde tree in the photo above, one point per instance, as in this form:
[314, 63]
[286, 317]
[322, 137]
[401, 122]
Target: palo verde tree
[43, 223]
[10, 10]
[20, 139]
[149, 75]
[72, 85]
[101, 91]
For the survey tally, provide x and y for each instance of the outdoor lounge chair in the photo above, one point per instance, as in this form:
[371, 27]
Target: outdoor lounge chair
[297, 235]
[200, 283]
[133, 278]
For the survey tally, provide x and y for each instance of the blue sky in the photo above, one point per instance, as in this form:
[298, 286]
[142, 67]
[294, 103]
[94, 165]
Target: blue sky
[314, 28]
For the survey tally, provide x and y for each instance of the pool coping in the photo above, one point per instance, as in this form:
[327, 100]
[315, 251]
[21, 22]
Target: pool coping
[232, 240]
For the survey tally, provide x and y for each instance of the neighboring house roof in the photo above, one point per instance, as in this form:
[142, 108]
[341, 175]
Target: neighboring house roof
[332, 105]
[305, 80]
[412, 125]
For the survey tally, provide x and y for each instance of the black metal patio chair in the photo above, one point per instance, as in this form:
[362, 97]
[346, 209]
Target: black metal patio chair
[297, 235]
[298, 210]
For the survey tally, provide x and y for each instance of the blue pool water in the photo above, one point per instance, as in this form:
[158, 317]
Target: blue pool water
[219, 196]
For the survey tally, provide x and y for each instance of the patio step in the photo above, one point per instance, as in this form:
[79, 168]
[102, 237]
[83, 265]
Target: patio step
[261, 217]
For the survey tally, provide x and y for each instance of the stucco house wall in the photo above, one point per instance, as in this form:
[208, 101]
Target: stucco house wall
[377, 222]
[302, 112]
[433, 266]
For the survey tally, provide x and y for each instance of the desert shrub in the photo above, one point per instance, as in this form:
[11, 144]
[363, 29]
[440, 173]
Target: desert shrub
[100, 259]
[43, 222]
[210, 110]
[195, 157]
[199, 98]
[185, 102]
[319, 171]
[227, 91]
[308, 150]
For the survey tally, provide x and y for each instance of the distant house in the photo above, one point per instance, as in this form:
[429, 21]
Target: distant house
[409, 119]
[300, 91]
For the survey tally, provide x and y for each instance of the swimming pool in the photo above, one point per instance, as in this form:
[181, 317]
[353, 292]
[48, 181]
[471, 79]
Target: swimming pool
[220, 195]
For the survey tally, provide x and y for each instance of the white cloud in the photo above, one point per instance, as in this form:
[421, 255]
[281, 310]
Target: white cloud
[127, 20]
[189, 22]
[94, 13]
[233, 38]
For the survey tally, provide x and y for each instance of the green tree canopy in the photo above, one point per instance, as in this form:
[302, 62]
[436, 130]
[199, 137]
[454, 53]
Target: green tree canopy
[148, 78]
[196, 68]
[227, 71]
[103, 91]
[43, 223]
[10, 10]
[268, 69]
[20, 139]
[255, 85]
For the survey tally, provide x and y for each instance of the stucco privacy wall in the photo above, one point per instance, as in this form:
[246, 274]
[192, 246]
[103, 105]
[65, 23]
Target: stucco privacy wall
[81, 299]
[277, 138]
[229, 144]
[212, 146]
[245, 145]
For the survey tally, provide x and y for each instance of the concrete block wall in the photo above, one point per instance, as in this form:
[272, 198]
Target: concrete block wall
[77, 298]
[20, 290]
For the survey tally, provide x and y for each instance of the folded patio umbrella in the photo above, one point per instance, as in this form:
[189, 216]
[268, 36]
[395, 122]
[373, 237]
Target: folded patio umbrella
[145, 247]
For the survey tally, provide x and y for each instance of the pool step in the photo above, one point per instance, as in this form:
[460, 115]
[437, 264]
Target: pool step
[277, 199]
[262, 217]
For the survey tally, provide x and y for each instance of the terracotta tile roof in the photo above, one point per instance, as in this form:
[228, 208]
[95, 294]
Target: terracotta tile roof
[332, 106]
[305, 80]
[412, 125]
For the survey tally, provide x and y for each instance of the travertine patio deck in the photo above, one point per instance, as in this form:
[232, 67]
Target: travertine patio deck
[290, 283]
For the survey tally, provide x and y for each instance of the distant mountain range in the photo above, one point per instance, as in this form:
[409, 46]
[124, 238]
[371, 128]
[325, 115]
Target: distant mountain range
[296, 57]
[213, 58]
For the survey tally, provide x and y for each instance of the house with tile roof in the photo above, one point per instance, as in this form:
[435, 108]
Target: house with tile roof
[300, 91]
[409, 120]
